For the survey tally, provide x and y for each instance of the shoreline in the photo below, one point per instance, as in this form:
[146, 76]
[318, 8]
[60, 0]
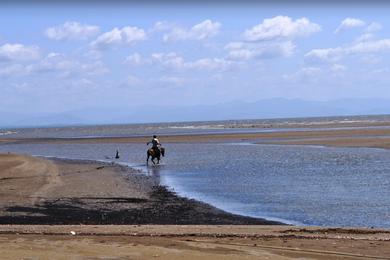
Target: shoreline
[84, 183]
[116, 194]
[367, 138]
[356, 137]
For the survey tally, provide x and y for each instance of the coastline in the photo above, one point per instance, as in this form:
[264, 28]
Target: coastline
[370, 138]
[85, 184]
[338, 137]
[89, 192]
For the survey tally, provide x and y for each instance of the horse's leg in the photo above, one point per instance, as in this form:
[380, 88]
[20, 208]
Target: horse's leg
[153, 161]
[147, 159]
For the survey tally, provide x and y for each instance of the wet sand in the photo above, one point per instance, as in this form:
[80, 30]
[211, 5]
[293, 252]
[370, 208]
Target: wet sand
[41, 191]
[357, 137]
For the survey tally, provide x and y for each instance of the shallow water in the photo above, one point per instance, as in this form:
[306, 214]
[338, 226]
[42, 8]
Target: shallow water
[306, 185]
[204, 127]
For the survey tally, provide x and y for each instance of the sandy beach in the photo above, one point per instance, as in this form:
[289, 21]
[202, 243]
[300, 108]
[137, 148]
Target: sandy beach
[80, 194]
[191, 242]
[40, 191]
[138, 219]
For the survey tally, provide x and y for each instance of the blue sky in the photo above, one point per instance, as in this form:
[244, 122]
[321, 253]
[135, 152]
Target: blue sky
[59, 58]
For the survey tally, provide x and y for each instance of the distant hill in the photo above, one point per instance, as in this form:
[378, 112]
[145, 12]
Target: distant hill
[267, 108]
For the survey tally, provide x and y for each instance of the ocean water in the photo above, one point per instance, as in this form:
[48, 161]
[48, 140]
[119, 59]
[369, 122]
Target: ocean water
[307, 185]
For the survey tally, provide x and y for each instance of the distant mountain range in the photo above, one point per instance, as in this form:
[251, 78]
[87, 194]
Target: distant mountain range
[262, 109]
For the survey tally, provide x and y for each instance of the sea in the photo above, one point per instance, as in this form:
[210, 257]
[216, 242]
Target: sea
[294, 184]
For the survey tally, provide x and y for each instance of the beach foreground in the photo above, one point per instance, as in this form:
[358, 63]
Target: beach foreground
[41, 191]
[191, 242]
[56, 192]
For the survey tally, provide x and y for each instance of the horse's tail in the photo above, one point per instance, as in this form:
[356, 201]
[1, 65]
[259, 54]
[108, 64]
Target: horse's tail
[162, 150]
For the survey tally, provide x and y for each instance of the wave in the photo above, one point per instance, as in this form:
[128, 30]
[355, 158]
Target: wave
[8, 133]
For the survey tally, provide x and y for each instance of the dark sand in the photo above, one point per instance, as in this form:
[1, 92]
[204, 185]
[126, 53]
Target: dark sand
[41, 191]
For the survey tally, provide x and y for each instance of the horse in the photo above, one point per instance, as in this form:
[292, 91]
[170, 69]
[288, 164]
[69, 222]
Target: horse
[152, 153]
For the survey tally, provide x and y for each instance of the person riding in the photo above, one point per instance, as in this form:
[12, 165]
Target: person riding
[155, 144]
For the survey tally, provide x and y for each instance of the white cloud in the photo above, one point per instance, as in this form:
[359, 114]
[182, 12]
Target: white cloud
[371, 59]
[201, 31]
[13, 70]
[305, 74]
[162, 26]
[53, 62]
[172, 80]
[170, 60]
[134, 59]
[328, 55]
[373, 27]
[235, 45]
[380, 71]
[335, 54]
[132, 81]
[281, 27]
[271, 39]
[116, 37]
[241, 54]
[247, 51]
[205, 29]
[370, 46]
[93, 69]
[71, 31]
[22, 86]
[210, 64]
[365, 37]
[174, 61]
[93, 54]
[349, 23]
[62, 66]
[18, 52]
[337, 69]
[83, 82]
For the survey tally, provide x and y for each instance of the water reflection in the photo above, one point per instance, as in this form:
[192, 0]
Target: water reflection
[154, 172]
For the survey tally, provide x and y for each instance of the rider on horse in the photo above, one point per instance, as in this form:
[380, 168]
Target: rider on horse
[155, 144]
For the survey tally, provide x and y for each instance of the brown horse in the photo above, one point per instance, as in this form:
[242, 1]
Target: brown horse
[155, 155]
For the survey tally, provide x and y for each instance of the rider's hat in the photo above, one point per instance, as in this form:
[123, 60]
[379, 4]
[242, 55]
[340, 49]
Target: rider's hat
[154, 136]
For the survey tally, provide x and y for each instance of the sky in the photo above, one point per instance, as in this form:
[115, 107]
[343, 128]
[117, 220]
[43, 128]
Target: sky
[69, 56]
